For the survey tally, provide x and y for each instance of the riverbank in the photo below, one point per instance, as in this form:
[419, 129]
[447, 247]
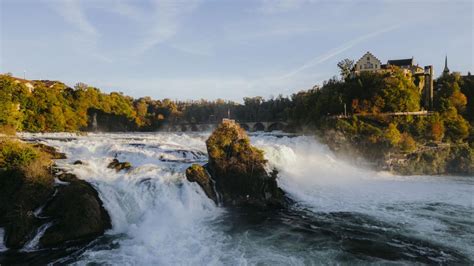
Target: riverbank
[380, 145]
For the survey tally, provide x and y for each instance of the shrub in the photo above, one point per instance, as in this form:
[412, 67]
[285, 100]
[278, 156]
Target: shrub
[407, 143]
[436, 130]
[457, 128]
[32, 163]
[346, 126]
[37, 170]
[392, 135]
[7, 130]
[14, 154]
[418, 127]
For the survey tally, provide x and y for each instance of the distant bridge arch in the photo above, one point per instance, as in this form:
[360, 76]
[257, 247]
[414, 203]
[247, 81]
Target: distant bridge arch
[277, 126]
[204, 127]
[245, 126]
[259, 126]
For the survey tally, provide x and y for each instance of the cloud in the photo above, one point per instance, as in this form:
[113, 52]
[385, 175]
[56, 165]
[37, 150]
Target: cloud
[334, 52]
[251, 33]
[73, 13]
[85, 40]
[278, 6]
[199, 48]
[125, 9]
[156, 21]
[165, 22]
[281, 6]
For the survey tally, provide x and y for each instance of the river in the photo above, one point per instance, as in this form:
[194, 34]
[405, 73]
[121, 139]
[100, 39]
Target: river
[341, 213]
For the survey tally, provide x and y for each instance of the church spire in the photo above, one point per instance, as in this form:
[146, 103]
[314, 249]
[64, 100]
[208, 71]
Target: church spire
[446, 69]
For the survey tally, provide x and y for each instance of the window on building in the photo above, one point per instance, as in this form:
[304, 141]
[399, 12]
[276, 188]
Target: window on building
[368, 58]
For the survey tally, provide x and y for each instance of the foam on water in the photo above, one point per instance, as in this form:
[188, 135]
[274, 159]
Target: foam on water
[160, 218]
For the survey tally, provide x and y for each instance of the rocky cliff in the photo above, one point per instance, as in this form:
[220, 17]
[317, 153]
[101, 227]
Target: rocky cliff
[34, 198]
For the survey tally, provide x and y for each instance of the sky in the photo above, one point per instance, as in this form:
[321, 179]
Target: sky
[194, 49]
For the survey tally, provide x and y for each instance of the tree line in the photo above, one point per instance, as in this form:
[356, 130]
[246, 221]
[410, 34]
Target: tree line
[44, 106]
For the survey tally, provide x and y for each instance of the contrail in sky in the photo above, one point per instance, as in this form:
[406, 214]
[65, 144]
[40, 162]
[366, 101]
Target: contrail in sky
[331, 53]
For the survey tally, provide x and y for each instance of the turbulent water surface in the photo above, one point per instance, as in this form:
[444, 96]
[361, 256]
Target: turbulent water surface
[340, 212]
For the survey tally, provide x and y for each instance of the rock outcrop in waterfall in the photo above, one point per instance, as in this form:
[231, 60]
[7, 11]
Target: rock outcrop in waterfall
[236, 170]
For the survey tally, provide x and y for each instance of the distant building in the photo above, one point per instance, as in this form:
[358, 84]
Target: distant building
[367, 62]
[407, 65]
[422, 76]
[446, 72]
[428, 88]
[446, 69]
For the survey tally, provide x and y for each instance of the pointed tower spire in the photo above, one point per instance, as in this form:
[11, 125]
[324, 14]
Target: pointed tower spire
[446, 69]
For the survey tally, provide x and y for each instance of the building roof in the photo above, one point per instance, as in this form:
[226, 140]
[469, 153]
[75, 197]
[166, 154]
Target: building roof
[368, 53]
[401, 62]
[446, 69]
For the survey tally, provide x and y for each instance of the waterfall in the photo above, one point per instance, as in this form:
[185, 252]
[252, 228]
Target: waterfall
[94, 122]
[158, 217]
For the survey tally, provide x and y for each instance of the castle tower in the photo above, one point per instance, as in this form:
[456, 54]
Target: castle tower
[428, 88]
[446, 69]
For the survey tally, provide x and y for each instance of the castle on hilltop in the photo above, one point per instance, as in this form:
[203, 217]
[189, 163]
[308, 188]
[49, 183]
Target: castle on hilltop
[421, 76]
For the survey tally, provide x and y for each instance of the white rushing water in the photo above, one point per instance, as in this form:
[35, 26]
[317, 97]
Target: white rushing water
[33, 243]
[319, 181]
[159, 218]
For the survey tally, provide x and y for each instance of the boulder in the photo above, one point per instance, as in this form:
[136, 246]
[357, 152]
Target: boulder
[238, 170]
[78, 162]
[117, 165]
[77, 212]
[197, 173]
